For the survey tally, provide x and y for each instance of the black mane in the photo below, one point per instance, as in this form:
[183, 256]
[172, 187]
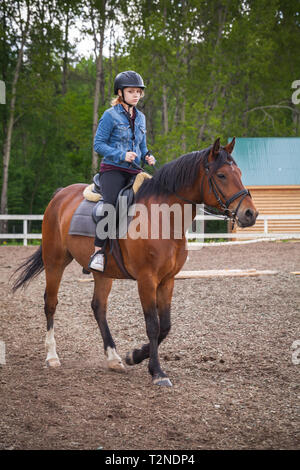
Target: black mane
[181, 173]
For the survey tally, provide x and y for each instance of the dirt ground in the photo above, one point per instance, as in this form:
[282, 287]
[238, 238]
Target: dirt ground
[228, 355]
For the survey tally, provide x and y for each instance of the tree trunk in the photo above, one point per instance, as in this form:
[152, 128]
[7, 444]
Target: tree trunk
[222, 14]
[7, 141]
[183, 137]
[165, 110]
[65, 58]
[99, 86]
[164, 95]
[110, 64]
[184, 62]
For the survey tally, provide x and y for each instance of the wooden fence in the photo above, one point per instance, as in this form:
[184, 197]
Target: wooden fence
[199, 236]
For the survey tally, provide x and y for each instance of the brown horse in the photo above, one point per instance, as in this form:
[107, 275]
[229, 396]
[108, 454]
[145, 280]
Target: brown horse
[210, 176]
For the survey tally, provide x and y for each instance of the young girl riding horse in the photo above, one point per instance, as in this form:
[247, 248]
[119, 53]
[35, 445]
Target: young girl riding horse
[121, 140]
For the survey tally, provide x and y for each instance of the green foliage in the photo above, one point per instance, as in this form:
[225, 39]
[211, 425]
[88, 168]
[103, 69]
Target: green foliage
[224, 67]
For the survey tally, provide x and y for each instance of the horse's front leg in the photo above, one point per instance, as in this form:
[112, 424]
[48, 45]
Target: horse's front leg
[148, 296]
[164, 297]
[102, 289]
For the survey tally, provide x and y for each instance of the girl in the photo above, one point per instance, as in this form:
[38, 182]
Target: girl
[121, 140]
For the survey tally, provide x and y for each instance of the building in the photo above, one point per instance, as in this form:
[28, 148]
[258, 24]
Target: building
[271, 171]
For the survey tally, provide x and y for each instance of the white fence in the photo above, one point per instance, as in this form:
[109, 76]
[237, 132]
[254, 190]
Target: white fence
[254, 236]
[190, 235]
[25, 235]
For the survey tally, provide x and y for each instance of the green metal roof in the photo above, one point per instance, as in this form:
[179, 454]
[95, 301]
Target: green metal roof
[268, 161]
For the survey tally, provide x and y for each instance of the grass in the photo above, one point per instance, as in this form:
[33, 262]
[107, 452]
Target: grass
[16, 242]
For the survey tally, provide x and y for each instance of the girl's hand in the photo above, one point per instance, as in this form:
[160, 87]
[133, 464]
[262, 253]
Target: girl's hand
[150, 160]
[130, 156]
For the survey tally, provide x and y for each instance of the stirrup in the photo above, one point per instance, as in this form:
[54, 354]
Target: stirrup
[93, 261]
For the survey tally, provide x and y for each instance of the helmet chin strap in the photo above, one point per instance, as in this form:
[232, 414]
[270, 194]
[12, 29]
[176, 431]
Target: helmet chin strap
[124, 101]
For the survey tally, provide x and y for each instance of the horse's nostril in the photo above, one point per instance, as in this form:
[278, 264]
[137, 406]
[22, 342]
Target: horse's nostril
[249, 213]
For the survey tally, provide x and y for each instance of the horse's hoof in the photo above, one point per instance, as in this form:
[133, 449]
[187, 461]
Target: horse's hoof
[116, 365]
[129, 359]
[54, 362]
[163, 382]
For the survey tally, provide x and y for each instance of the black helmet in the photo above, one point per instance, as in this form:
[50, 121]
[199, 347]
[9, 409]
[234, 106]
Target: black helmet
[128, 79]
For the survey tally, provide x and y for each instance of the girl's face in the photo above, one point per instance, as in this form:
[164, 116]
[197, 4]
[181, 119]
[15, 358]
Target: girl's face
[132, 95]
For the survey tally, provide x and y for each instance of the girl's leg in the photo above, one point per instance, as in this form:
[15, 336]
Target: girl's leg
[111, 183]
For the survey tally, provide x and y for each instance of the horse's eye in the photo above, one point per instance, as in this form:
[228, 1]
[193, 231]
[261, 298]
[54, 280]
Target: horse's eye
[221, 176]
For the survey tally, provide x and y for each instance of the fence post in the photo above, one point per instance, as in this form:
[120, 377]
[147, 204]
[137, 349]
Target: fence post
[265, 225]
[25, 231]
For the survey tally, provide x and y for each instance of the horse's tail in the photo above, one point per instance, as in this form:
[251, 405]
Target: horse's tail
[31, 268]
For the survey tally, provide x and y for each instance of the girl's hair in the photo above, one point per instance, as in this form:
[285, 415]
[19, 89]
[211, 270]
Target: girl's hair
[119, 100]
[116, 100]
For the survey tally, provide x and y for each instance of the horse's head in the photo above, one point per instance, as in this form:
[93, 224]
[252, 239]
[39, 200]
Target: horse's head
[225, 189]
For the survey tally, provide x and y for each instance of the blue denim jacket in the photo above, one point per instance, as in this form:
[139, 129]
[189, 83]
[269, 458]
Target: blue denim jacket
[114, 137]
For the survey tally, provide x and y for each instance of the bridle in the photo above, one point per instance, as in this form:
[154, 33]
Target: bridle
[213, 186]
[232, 215]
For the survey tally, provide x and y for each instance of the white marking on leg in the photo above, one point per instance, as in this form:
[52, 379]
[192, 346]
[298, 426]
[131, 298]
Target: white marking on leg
[113, 359]
[52, 359]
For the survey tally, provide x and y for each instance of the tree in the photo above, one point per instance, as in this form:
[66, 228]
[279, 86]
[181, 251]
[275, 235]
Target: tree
[14, 16]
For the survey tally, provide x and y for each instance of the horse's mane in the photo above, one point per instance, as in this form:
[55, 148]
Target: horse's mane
[181, 173]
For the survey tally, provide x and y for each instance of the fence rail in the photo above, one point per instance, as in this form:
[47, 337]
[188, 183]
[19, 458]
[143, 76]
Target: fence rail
[190, 235]
[25, 235]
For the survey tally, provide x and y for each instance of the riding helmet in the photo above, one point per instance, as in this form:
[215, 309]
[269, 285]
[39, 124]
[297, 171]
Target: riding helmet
[128, 79]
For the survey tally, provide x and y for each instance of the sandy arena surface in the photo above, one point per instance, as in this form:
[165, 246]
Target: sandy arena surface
[229, 355]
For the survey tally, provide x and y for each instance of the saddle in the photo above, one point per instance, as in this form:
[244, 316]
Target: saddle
[127, 192]
[92, 193]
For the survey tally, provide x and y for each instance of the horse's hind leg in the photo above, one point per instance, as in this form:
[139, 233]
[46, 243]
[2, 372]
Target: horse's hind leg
[102, 289]
[54, 272]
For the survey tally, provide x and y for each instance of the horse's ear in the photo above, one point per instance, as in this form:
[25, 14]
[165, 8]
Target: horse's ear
[229, 147]
[216, 147]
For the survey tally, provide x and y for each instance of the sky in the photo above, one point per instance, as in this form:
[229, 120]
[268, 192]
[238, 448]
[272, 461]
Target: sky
[85, 46]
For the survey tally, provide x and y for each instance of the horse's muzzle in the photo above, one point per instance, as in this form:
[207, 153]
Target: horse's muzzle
[246, 218]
